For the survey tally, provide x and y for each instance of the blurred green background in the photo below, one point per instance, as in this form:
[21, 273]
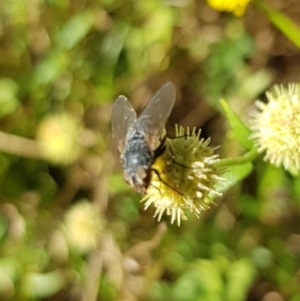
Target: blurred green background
[70, 228]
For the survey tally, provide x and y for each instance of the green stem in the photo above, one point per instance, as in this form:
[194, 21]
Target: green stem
[247, 157]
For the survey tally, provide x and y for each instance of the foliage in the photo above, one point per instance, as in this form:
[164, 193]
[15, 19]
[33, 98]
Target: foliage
[70, 228]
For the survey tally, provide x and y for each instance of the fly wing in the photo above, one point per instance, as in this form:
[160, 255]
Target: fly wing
[123, 117]
[154, 117]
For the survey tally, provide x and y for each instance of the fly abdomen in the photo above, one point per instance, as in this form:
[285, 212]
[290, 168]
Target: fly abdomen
[137, 155]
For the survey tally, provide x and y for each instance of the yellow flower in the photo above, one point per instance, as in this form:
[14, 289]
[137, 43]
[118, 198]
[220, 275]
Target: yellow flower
[58, 138]
[183, 177]
[235, 6]
[83, 226]
[276, 127]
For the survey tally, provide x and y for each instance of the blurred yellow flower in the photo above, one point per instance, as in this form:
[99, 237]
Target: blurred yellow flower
[276, 127]
[235, 6]
[58, 138]
[183, 177]
[83, 226]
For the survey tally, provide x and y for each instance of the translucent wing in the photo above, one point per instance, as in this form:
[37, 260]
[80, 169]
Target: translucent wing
[123, 117]
[154, 117]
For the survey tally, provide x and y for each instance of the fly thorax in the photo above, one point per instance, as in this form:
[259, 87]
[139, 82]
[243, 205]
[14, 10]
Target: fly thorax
[137, 155]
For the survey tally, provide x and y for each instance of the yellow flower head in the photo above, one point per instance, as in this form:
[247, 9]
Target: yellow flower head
[58, 138]
[183, 177]
[83, 226]
[276, 127]
[235, 6]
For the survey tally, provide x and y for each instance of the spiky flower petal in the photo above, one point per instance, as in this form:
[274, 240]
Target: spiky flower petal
[235, 6]
[183, 177]
[276, 127]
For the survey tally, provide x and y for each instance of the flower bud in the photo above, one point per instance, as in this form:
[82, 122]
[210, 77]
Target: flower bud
[58, 138]
[83, 226]
[183, 176]
[276, 127]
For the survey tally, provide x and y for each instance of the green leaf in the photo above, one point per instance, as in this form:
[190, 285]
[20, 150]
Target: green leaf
[48, 70]
[271, 179]
[240, 277]
[240, 130]
[254, 84]
[75, 29]
[203, 282]
[42, 285]
[282, 22]
[8, 96]
[234, 174]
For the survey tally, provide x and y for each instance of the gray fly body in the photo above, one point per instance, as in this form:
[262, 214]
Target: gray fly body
[139, 138]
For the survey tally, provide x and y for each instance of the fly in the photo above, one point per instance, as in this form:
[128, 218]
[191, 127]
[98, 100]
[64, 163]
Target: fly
[139, 139]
